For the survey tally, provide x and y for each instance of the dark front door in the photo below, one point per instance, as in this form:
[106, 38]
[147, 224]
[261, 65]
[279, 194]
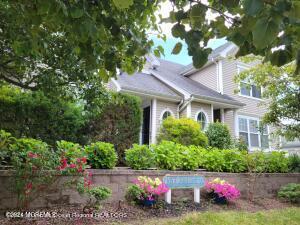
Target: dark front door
[146, 126]
[217, 115]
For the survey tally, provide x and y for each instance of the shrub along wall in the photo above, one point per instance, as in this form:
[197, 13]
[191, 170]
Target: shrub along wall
[118, 180]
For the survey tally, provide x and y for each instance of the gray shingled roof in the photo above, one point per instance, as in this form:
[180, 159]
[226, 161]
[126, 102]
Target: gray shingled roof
[145, 83]
[171, 72]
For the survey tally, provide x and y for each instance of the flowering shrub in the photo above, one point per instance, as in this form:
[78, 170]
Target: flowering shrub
[146, 188]
[222, 189]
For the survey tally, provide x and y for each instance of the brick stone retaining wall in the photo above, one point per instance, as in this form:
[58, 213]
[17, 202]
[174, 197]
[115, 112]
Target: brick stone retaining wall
[118, 179]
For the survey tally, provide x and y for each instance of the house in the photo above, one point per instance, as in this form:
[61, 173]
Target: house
[205, 95]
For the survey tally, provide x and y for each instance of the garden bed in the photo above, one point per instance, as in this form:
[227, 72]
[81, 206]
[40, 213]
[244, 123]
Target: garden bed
[124, 213]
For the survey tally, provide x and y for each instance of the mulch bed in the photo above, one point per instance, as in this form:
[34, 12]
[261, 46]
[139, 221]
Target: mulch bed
[123, 213]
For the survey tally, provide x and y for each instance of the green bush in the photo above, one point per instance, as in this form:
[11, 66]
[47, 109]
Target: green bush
[290, 192]
[133, 194]
[218, 135]
[167, 155]
[70, 150]
[256, 162]
[294, 163]
[101, 155]
[183, 131]
[33, 115]
[212, 160]
[139, 157]
[190, 157]
[277, 162]
[239, 143]
[117, 122]
[235, 161]
[6, 139]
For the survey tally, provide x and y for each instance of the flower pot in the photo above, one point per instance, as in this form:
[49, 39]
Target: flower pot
[219, 200]
[147, 202]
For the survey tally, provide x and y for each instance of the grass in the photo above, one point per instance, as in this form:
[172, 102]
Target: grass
[287, 216]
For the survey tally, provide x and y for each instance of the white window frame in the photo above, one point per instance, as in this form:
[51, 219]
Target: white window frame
[206, 115]
[247, 82]
[163, 112]
[248, 118]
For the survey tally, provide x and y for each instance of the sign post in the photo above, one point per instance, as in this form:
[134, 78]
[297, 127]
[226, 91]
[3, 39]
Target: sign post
[183, 182]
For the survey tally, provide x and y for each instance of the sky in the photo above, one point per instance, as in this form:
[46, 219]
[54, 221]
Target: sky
[182, 57]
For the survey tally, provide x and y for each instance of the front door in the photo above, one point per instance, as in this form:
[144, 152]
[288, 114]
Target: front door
[217, 115]
[146, 126]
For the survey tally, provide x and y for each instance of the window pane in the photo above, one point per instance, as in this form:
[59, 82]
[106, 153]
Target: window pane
[201, 119]
[243, 124]
[265, 129]
[245, 89]
[264, 141]
[244, 136]
[253, 126]
[256, 91]
[166, 114]
[254, 140]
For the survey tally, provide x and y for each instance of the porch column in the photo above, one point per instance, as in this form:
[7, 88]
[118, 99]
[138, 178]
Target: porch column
[153, 120]
[236, 123]
[212, 112]
[222, 115]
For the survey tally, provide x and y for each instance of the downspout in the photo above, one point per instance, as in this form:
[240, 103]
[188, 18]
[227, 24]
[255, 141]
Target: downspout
[187, 102]
[178, 107]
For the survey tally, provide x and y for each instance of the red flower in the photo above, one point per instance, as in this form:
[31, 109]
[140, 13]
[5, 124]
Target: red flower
[80, 169]
[64, 163]
[32, 155]
[83, 159]
[72, 165]
[28, 186]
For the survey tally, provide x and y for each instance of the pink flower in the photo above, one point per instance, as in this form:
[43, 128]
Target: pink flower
[83, 159]
[64, 164]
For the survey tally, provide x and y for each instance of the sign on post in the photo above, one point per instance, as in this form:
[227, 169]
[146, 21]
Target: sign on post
[183, 182]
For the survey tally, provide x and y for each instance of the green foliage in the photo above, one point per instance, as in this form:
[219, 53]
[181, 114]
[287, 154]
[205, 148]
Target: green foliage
[31, 159]
[281, 91]
[218, 135]
[239, 143]
[6, 139]
[212, 160]
[290, 192]
[270, 162]
[190, 157]
[183, 131]
[167, 155]
[294, 163]
[99, 193]
[101, 155]
[139, 157]
[71, 151]
[64, 52]
[33, 115]
[133, 193]
[118, 123]
[255, 26]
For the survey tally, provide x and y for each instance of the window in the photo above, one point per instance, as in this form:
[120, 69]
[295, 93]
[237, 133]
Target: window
[251, 132]
[202, 120]
[250, 90]
[166, 114]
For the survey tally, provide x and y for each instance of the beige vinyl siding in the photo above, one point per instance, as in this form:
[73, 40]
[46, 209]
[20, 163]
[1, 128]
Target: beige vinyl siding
[197, 106]
[183, 113]
[253, 106]
[207, 76]
[162, 106]
[229, 120]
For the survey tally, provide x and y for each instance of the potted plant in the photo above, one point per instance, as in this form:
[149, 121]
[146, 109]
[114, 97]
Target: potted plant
[221, 191]
[145, 190]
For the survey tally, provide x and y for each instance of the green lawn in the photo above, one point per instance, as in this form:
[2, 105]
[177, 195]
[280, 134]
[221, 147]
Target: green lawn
[288, 216]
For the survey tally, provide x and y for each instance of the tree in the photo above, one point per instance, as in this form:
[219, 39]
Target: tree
[256, 26]
[282, 89]
[61, 46]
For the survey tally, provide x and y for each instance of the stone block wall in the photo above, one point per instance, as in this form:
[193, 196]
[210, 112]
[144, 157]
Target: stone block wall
[118, 180]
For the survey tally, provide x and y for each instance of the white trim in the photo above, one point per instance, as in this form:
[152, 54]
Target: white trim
[254, 98]
[166, 110]
[116, 84]
[212, 112]
[153, 120]
[189, 110]
[150, 95]
[220, 76]
[206, 115]
[225, 52]
[172, 85]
